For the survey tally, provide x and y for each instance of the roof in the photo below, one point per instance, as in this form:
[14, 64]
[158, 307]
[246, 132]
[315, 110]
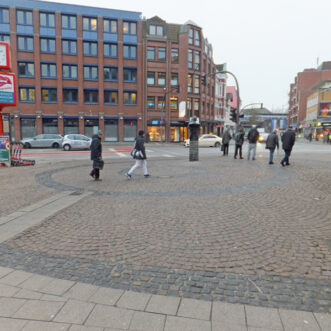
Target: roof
[189, 22]
[325, 66]
[171, 31]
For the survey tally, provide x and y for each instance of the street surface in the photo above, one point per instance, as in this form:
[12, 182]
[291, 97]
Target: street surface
[200, 234]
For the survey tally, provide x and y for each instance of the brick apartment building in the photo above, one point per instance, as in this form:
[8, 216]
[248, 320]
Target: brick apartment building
[81, 68]
[78, 68]
[301, 89]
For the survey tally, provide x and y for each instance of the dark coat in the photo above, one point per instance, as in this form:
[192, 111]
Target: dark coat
[288, 140]
[272, 141]
[253, 136]
[239, 138]
[96, 148]
[226, 137]
[140, 146]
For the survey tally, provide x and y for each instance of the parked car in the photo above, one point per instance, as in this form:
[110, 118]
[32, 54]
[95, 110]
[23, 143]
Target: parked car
[43, 140]
[263, 137]
[76, 141]
[206, 140]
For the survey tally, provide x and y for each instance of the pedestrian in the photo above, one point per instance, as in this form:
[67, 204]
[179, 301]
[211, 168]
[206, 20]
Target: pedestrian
[147, 137]
[271, 144]
[141, 161]
[225, 142]
[310, 136]
[288, 140]
[239, 141]
[96, 156]
[253, 136]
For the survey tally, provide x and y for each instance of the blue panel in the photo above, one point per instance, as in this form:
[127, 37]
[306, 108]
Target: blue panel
[4, 28]
[49, 32]
[70, 117]
[111, 37]
[70, 34]
[110, 118]
[28, 116]
[90, 35]
[130, 118]
[129, 39]
[50, 116]
[24, 29]
[91, 117]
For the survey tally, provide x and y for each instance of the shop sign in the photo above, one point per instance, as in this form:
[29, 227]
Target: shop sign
[325, 109]
[7, 89]
[4, 55]
[4, 149]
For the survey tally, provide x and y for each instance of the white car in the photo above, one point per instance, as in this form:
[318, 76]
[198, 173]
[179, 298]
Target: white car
[76, 141]
[206, 140]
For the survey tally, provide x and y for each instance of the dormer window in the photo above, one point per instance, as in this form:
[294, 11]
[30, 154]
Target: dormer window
[156, 30]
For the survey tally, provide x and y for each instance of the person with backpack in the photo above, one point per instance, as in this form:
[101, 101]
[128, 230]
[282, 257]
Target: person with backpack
[253, 136]
[139, 155]
[225, 142]
[271, 144]
[239, 141]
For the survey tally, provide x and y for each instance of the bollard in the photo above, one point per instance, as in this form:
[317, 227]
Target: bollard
[194, 126]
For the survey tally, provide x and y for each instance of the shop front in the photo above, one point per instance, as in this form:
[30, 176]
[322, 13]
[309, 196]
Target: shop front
[28, 126]
[178, 131]
[70, 124]
[156, 130]
[130, 129]
[91, 126]
[50, 125]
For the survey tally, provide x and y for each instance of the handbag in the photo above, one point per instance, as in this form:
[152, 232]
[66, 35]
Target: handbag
[99, 164]
[138, 155]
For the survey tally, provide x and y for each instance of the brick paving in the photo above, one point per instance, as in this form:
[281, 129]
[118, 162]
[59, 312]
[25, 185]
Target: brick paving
[219, 230]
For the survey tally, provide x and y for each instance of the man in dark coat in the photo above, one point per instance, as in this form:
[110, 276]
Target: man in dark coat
[253, 136]
[96, 155]
[288, 140]
[271, 144]
[225, 141]
[239, 140]
[141, 161]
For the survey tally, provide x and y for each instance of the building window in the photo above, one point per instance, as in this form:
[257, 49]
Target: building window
[69, 71]
[47, 45]
[197, 38]
[156, 30]
[25, 44]
[24, 17]
[150, 78]
[174, 55]
[71, 125]
[69, 47]
[109, 50]
[174, 79]
[160, 103]
[189, 84]
[70, 95]
[49, 95]
[196, 105]
[48, 70]
[110, 73]
[189, 106]
[4, 37]
[28, 127]
[190, 59]
[91, 96]
[47, 20]
[4, 15]
[69, 22]
[90, 24]
[130, 28]
[161, 79]
[197, 60]
[161, 54]
[150, 53]
[129, 52]
[26, 69]
[151, 103]
[90, 48]
[27, 94]
[90, 72]
[110, 97]
[190, 37]
[50, 127]
[130, 97]
[130, 74]
[173, 103]
[196, 84]
[109, 26]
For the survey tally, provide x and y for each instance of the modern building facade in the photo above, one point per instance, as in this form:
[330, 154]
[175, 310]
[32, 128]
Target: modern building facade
[301, 89]
[78, 69]
[175, 59]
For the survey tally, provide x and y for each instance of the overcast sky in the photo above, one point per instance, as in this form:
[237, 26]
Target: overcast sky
[264, 42]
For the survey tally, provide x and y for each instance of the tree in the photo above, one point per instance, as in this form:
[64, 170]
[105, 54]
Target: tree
[253, 119]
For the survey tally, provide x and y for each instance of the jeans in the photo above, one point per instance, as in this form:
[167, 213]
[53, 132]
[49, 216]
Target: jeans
[251, 147]
[238, 148]
[286, 158]
[271, 155]
[139, 163]
[225, 149]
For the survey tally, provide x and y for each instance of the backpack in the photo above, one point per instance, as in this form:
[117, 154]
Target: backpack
[237, 137]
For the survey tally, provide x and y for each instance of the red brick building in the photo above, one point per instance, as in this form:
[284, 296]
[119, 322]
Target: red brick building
[301, 89]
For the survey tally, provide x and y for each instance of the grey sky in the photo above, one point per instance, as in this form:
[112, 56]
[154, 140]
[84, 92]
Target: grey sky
[264, 43]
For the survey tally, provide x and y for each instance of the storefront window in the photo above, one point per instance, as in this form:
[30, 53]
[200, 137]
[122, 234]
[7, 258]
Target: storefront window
[70, 125]
[178, 133]
[155, 132]
[130, 130]
[91, 126]
[28, 128]
[111, 130]
[50, 125]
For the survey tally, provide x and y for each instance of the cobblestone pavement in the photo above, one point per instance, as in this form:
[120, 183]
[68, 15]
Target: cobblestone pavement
[220, 229]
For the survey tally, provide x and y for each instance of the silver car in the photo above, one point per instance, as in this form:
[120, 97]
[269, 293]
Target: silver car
[76, 141]
[43, 140]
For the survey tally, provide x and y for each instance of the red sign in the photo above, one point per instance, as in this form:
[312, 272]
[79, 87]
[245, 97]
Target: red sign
[4, 55]
[7, 89]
